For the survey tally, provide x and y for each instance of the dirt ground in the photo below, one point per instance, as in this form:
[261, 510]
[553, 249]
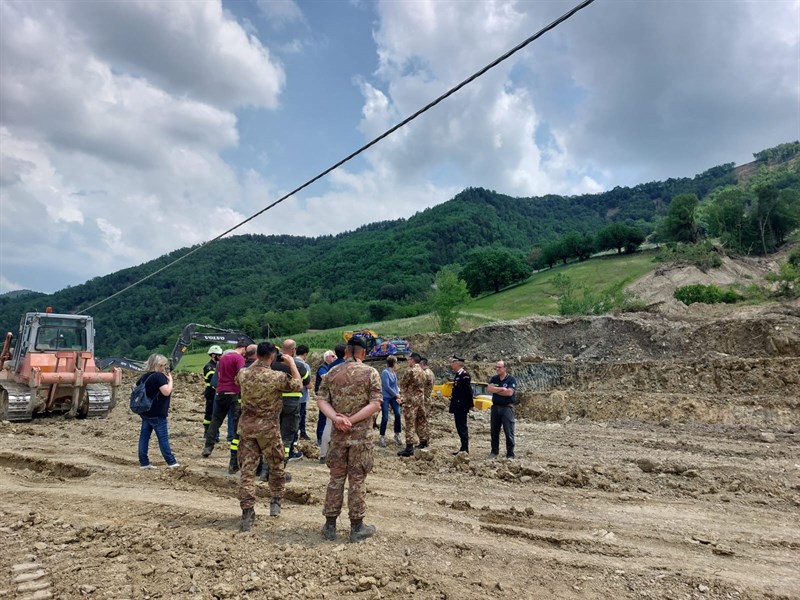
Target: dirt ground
[657, 458]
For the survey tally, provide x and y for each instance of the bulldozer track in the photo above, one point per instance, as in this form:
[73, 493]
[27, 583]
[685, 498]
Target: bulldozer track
[15, 404]
[100, 400]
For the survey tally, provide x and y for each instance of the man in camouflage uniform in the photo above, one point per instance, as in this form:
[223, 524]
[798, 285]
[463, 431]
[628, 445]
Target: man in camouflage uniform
[412, 399]
[349, 395]
[430, 381]
[259, 428]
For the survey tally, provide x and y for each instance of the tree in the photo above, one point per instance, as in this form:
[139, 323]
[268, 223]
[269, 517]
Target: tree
[492, 268]
[726, 219]
[680, 224]
[450, 292]
[619, 237]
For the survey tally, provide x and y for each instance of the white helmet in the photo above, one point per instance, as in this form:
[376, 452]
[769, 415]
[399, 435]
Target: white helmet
[215, 350]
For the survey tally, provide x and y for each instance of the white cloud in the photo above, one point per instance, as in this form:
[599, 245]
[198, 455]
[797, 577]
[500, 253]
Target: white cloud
[486, 132]
[281, 12]
[110, 147]
[117, 119]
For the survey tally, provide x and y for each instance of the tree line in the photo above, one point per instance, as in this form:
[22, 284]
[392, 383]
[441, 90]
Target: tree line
[278, 285]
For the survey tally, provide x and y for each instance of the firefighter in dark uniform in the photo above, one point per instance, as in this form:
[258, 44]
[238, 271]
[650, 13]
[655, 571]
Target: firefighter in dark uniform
[214, 352]
[461, 401]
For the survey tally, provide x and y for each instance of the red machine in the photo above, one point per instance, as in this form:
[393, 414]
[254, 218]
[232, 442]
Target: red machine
[52, 369]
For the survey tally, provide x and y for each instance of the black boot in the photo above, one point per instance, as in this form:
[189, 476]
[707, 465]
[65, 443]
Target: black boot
[264, 474]
[207, 450]
[359, 531]
[248, 518]
[407, 452]
[233, 466]
[329, 529]
[422, 444]
[274, 507]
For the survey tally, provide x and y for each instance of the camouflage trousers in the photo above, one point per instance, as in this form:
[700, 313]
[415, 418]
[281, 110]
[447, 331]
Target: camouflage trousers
[270, 447]
[415, 422]
[351, 461]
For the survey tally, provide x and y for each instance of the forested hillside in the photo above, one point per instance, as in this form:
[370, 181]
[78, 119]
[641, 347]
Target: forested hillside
[379, 270]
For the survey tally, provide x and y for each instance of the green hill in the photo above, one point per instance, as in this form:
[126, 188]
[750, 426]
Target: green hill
[379, 271]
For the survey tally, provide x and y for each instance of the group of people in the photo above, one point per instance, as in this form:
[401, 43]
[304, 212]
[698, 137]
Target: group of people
[263, 390]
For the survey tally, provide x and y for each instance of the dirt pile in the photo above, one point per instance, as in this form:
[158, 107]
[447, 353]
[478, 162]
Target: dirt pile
[739, 369]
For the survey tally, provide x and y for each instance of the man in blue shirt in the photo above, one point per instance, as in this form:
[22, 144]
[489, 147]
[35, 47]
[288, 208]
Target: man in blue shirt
[503, 388]
[390, 393]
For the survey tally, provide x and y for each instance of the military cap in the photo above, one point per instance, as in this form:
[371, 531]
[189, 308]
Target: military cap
[357, 341]
[458, 358]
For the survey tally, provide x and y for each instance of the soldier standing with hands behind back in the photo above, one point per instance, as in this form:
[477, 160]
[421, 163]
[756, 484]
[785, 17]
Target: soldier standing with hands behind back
[349, 395]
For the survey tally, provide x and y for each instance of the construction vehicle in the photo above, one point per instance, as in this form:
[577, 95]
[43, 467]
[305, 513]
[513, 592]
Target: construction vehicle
[378, 347]
[52, 369]
[480, 397]
[216, 335]
[128, 364]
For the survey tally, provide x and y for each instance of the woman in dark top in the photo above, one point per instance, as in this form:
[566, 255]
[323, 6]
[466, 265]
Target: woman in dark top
[158, 386]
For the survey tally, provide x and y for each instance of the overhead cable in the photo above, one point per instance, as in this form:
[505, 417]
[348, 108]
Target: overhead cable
[363, 148]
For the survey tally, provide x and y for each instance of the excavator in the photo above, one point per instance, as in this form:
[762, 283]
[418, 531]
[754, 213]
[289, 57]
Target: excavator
[193, 331]
[52, 369]
[379, 348]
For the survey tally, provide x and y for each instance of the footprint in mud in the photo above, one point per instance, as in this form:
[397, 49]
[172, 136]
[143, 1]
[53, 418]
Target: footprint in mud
[41, 465]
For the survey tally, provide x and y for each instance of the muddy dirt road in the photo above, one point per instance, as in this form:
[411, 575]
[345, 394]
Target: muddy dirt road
[613, 508]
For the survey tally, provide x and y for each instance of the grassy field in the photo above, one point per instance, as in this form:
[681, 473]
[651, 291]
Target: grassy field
[536, 296]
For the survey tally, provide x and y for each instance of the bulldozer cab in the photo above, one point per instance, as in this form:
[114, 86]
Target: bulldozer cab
[48, 332]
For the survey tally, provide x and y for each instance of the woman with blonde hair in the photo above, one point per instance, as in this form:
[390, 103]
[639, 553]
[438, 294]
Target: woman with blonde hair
[158, 386]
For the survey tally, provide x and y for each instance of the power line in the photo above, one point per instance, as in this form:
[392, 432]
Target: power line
[363, 148]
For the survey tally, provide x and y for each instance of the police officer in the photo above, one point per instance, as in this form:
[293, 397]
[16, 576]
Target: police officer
[349, 396]
[461, 401]
[259, 428]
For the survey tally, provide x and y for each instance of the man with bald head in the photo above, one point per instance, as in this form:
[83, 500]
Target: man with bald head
[503, 388]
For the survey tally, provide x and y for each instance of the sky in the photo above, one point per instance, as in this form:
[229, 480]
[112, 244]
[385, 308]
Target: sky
[130, 129]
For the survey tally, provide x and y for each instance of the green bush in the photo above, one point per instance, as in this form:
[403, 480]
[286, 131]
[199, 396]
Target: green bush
[702, 255]
[708, 294]
[580, 300]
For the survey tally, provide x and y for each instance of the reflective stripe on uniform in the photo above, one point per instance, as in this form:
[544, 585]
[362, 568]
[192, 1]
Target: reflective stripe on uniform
[292, 394]
[206, 422]
[235, 444]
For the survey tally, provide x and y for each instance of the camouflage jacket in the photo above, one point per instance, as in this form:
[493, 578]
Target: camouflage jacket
[430, 381]
[412, 384]
[262, 401]
[349, 387]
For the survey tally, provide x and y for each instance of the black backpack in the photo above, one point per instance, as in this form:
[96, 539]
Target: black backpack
[140, 401]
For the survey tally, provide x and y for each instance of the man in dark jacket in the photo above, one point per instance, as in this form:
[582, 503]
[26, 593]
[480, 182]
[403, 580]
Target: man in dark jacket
[461, 401]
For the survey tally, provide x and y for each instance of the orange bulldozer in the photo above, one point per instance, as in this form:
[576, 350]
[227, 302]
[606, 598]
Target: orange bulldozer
[52, 369]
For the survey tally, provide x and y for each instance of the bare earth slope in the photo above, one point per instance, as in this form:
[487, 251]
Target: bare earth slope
[657, 458]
